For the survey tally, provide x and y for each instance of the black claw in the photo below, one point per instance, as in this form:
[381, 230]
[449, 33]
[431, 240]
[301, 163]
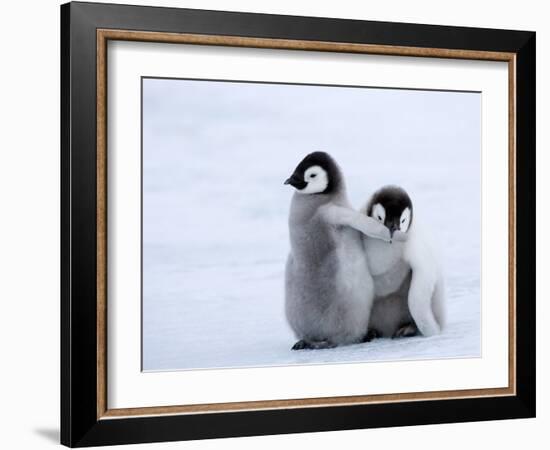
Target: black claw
[371, 334]
[301, 345]
[313, 345]
[406, 330]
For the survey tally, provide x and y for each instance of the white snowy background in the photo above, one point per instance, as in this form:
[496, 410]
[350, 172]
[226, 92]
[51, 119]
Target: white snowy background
[215, 237]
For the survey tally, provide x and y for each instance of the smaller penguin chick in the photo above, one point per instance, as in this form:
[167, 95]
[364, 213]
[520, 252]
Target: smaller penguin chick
[408, 280]
[390, 316]
[392, 206]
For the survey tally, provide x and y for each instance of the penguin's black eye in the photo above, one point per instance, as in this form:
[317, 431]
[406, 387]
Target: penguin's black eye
[379, 218]
[313, 175]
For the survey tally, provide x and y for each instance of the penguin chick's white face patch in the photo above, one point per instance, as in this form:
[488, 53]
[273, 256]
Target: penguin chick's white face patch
[317, 180]
[379, 213]
[405, 220]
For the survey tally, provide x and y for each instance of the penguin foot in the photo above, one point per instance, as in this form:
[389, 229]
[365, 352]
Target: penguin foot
[371, 334]
[301, 345]
[312, 345]
[406, 330]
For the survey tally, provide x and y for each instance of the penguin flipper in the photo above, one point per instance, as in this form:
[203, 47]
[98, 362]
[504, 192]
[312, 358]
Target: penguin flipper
[342, 216]
[426, 277]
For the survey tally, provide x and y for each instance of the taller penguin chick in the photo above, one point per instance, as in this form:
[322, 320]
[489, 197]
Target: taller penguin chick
[328, 288]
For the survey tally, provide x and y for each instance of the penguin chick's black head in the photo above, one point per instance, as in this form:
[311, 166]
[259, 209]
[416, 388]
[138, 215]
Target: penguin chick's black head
[318, 173]
[392, 206]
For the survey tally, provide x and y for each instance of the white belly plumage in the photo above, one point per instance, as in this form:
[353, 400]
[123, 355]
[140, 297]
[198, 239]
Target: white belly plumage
[386, 265]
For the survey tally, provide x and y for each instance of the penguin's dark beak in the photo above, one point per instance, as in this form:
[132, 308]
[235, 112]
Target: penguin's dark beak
[296, 181]
[393, 228]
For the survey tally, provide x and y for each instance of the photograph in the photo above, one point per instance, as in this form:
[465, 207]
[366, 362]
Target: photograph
[295, 224]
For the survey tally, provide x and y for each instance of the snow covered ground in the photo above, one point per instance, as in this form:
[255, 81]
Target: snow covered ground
[215, 236]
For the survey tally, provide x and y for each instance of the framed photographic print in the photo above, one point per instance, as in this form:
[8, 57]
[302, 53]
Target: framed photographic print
[277, 224]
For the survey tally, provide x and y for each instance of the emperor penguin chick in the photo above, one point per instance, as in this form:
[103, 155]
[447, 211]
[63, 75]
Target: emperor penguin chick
[408, 281]
[328, 288]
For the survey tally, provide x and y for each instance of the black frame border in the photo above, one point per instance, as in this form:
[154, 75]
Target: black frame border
[79, 423]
